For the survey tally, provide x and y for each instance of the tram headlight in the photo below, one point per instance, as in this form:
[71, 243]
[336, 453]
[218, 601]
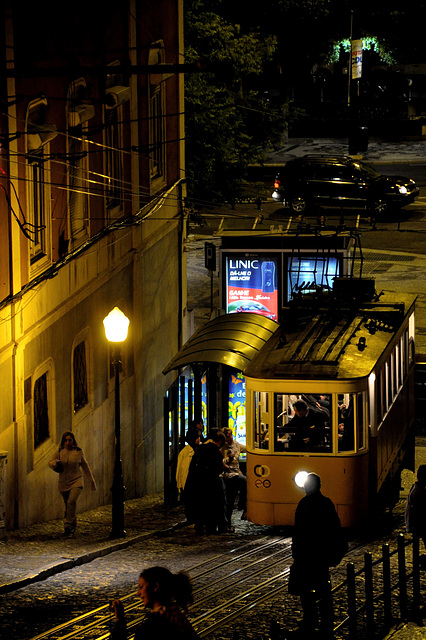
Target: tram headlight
[300, 478]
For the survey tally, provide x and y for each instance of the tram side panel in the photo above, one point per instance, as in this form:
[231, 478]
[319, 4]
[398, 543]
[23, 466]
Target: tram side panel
[393, 447]
[272, 495]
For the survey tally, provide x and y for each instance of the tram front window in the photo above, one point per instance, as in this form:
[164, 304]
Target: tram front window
[303, 423]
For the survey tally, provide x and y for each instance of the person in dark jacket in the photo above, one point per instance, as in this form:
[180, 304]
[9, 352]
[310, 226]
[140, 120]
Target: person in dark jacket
[415, 509]
[308, 426]
[316, 545]
[205, 486]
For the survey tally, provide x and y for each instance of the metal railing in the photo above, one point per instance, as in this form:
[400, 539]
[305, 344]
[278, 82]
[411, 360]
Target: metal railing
[373, 598]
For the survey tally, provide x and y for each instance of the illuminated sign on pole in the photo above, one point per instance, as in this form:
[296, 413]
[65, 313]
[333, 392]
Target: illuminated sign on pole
[251, 285]
[356, 53]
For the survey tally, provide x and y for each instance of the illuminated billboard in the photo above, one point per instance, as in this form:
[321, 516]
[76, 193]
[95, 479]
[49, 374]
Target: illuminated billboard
[251, 285]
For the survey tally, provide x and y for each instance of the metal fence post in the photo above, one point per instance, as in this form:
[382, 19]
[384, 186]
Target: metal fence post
[416, 577]
[369, 592]
[402, 576]
[387, 590]
[350, 574]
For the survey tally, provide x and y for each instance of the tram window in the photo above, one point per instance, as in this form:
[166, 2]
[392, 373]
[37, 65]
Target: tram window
[360, 421]
[398, 376]
[261, 420]
[302, 422]
[394, 362]
[410, 352]
[405, 352]
[389, 381]
[346, 424]
[379, 396]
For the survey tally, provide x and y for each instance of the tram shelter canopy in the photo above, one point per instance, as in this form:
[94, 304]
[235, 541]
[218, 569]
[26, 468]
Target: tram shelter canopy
[232, 339]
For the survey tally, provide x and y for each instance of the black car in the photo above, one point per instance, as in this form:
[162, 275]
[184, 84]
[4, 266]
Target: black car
[326, 181]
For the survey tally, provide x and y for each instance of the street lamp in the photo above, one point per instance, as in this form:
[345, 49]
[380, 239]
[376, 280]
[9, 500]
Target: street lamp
[116, 326]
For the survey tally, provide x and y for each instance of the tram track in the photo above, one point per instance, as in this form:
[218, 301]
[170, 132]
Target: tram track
[208, 578]
[222, 594]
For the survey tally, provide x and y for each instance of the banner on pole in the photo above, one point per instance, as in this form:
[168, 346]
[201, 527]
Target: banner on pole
[356, 62]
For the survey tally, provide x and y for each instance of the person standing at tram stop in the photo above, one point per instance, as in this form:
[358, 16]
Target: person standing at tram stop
[166, 596]
[68, 461]
[318, 543]
[235, 480]
[415, 509]
[183, 462]
[206, 487]
[198, 424]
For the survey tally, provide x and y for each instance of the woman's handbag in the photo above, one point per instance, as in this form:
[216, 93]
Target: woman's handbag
[59, 467]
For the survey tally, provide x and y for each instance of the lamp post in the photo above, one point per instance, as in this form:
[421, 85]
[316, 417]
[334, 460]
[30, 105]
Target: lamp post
[116, 326]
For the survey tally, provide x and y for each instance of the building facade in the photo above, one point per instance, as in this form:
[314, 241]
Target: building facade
[91, 217]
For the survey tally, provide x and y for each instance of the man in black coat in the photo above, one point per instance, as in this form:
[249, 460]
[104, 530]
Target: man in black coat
[307, 427]
[317, 544]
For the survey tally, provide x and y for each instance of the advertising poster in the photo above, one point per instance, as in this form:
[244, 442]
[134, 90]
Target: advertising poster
[356, 59]
[204, 403]
[237, 407]
[251, 285]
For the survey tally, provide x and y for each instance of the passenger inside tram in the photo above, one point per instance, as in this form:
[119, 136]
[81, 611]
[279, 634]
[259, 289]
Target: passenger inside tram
[306, 430]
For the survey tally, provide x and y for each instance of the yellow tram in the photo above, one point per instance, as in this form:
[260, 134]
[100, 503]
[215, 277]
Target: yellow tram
[348, 357]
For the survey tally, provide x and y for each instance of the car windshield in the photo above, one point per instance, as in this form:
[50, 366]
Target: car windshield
[366, 170]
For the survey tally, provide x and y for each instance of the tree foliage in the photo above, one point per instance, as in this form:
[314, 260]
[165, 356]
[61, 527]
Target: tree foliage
[227, 119]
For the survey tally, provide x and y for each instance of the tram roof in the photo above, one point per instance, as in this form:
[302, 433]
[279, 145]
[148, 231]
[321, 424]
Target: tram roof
[331, 340]
[232, 339]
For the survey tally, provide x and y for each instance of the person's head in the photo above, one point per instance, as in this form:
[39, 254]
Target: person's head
[193, 437]
[312, 484]
[229, 436]
[198, 423]
[300, 408]
[421, 475]
[159, 587]
[68, 441]
[217, 436]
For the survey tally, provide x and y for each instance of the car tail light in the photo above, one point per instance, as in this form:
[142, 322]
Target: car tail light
[277, 184]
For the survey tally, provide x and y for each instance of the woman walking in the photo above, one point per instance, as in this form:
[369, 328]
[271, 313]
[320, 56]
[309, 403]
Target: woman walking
[68, 461]
[166, 596]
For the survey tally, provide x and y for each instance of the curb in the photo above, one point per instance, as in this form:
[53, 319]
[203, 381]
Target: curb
[59, 567]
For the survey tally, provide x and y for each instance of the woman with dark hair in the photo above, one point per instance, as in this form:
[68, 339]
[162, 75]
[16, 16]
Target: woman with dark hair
[67, 461]
[166, 595]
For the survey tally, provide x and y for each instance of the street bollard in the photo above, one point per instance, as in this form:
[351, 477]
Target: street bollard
[402, 581]
[369, 593]
[416, 578]
[387, 589]
[350, 574]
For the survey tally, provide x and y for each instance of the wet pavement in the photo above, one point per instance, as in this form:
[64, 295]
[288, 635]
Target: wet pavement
[33, 554]
[378, 150]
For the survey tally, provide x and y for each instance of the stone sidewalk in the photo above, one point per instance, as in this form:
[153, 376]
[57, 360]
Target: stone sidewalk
[36, 552]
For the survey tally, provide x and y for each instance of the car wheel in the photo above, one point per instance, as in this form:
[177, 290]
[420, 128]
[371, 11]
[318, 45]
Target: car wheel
[298, 204]
[377, 207]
